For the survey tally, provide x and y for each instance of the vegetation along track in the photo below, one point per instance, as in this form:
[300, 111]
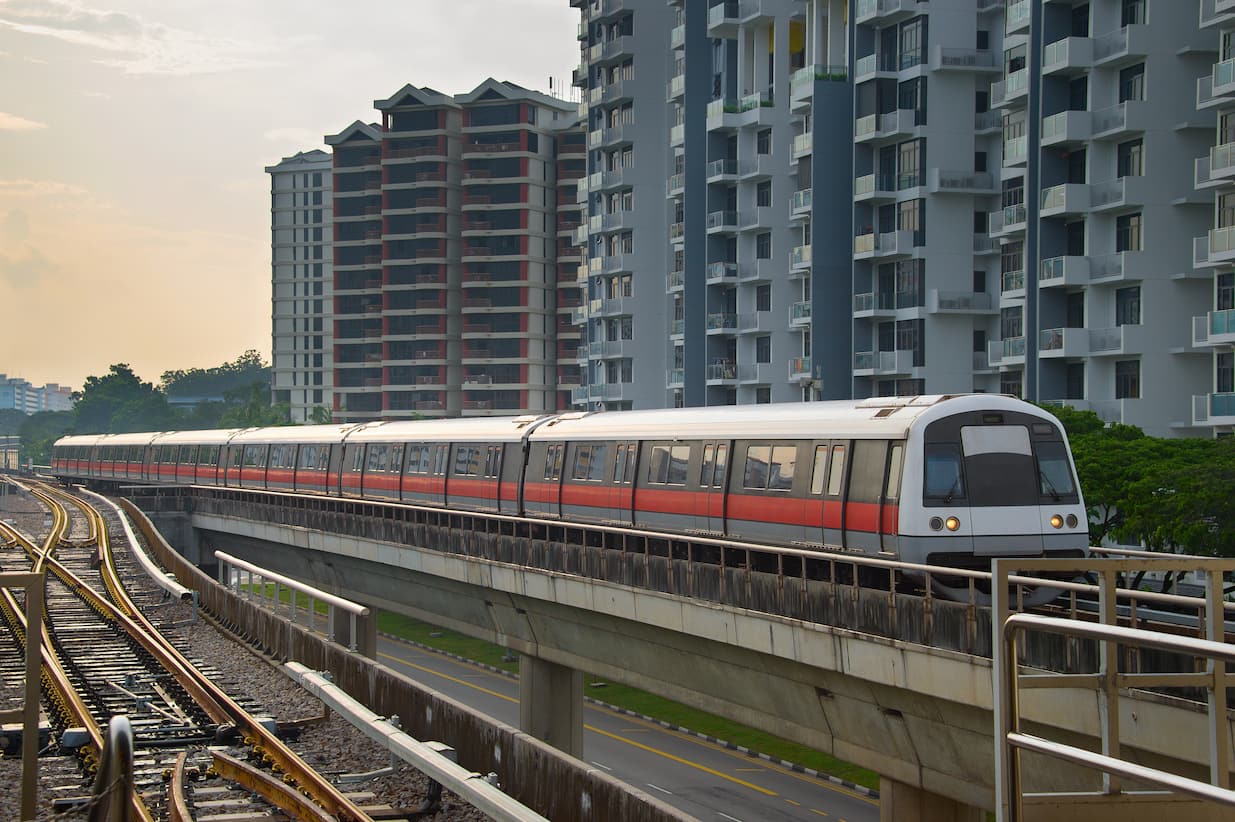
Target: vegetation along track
[107, 658]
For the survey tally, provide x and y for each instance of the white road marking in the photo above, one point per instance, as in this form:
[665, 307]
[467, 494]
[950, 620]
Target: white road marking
[727, 816]
[599, 765]
[659, 788]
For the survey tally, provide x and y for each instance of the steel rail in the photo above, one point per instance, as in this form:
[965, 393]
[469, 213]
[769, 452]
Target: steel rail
[214, 700]
[177, 801]
[270, 788]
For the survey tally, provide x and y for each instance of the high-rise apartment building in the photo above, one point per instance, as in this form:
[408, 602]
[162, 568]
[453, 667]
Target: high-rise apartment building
[896, 197]
[1214, 250]
[301, 290]
[449, 288]
[22, 395]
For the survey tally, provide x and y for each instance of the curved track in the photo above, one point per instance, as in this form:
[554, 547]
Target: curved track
[107, 658]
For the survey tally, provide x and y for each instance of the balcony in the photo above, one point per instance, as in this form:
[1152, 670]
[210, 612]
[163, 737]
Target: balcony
[723, 115]
[677, 87]
[802, 201]
[875, 188]
[677, 36]
[799, 369]
[961, 59]
[722, 170]
[1006, 221]
[1117, 341]
[802, 83]
[1012, 284]
[723, 19]
[1205, 97]
[1120, 120]
[1071, 55]
[872, 67]
[675, 281]
[958, 302]
[1010, 351]
[874, 304]
[1015, 151]
[1017, 17]
[1012, 89]
[886, 11]
[722, 372]
[800, 257]
[722, 323]
[802, 145]
[1065, 127]
[882, 363]
[1121, 47]
[722, 272]
[983, 245]
[1124, 192]
[1213, 409]
[719, 221]
[1214, 328]
[1063, 342]
[881, 126]
[940, 181]
[1063, 271]
[1060, 200]
[677, 135]
[799, 313]
[676, 377]
[886, 244]
[675, 185]
[1221, 166]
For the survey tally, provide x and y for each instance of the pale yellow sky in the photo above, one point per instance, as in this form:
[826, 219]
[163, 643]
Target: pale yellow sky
[134, 211]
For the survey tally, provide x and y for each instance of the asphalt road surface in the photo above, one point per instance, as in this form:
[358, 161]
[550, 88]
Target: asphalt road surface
[701, 778]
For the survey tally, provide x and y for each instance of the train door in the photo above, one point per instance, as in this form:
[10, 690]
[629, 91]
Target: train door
[713, 475]
[864, 501]
[889, 514]
[491, 477]
[625, 462]
[834, 494]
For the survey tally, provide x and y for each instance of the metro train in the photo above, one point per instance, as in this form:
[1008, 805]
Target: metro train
[936, 480]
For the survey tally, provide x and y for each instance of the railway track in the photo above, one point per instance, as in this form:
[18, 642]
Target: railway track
[197, 751]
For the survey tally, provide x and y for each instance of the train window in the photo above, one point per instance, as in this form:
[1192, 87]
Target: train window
[893, 488]
[467, 460]
[819, 472]
[237, 453]
[377, 459]
[188, 454]
[553, 462]
[254, 456]
[395, 463]
[439, 459]
[493, 460]
[667, 464]
[417, 459]
[709, 465]
[836, 475]
[755, 476]
[784, 463]
[308, 456]
[1054, 475]
[323, 457]
[944, 478]
[722, 462]
[357, 457]
[619, 463]
[590, 462]
[167, 454]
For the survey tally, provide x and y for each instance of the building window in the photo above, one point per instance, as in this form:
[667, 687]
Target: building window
[1131, 162]
[1132, 13]
[763, 246]
[1011, 382]
[1128, 305]
[910, 290]
[763, 349]
[763, 194]
[909, 338]
[763, 395]
[909, 163]
[1132, 83]
[1224, 298]
[1128, 232]
[911, 216]
[763, 141]
[763, 297]
[1011, 323]
[1224, 373]
[913, 42]
[1127, 379]
[912, 97]
[1226, 210]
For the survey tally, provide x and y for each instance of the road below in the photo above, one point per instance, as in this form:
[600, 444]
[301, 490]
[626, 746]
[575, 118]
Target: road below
[699, 777]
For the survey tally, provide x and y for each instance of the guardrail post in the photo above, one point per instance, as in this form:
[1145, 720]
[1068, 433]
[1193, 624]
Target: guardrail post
[35, 594]
[1003, 674]
[1215, 631]
[1108, 671]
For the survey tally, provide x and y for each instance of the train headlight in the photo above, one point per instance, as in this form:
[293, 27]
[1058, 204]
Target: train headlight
[1056, 521]
[952, 523]
[1071, 520]
[936, 523]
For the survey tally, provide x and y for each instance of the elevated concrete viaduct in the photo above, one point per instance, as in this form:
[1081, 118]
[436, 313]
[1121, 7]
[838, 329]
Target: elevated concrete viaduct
[897, 683]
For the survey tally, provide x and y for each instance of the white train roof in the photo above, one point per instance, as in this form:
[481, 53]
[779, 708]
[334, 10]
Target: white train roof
[882, 417]
[453, 429]
[296, 433]
[216, 436]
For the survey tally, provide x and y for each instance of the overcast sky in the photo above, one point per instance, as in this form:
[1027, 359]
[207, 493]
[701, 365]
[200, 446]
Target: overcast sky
[134, 209]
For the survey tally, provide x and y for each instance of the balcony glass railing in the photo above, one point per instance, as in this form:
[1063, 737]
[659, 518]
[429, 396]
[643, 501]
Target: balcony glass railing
[1052, 269]
[1224, 72]
[1222, 405]
[1221, 158]
[1016, 82]
[721, 167]
[1013, 281]
[675, 280]
[1013, 215]
[1017, 14]
[802, 143]
[1221, 240]
[800, 255]
[1015, 149]
[721, 271]
[722, 321]
[799, 311]
[801, 199]
[1014, 347]
[1222, 322]
[799, 365]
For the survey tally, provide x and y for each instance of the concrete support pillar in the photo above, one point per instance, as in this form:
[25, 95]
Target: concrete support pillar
[551, 703]
[366, 631]
[899, 802]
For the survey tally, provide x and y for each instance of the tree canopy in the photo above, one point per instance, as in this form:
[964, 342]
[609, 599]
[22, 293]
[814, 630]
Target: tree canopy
[1165, 494]
[119, 402]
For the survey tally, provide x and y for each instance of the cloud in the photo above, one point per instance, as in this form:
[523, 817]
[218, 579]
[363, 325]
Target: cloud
[143, 47]
[303, 137]
[11, 122]
[25, 268]
[38, 188]
[15, 227]
[100, 95]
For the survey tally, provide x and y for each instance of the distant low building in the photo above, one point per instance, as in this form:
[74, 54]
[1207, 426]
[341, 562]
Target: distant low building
[23, 396]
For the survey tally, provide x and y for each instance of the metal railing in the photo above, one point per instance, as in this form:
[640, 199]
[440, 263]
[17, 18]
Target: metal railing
[229, 564]
[1109, 680]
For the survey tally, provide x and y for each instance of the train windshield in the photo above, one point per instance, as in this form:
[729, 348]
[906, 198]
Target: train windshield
[996, 465]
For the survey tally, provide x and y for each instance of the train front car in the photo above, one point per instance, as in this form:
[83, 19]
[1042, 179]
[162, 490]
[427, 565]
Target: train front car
[990, 476]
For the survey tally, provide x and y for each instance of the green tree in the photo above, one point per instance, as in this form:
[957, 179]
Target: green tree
[120, 402]
[246, 369]
[250, 406]
[320, 415]
[40, 431]
[11, 420]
